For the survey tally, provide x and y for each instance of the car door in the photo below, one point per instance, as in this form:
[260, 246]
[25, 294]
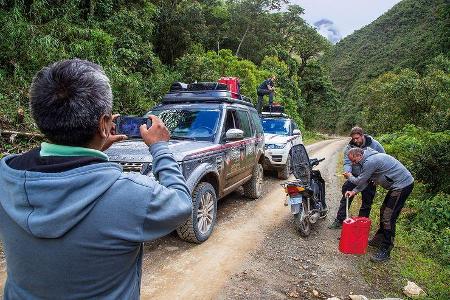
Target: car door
[298, 138]
[248, 147]
[233, 150]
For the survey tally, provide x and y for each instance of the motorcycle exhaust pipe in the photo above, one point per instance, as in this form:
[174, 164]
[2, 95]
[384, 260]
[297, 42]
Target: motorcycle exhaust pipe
[314, 217]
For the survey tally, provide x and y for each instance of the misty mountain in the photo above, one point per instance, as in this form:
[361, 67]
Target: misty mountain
[327, 29]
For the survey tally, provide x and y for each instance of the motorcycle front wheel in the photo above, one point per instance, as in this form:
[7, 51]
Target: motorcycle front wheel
[304, 227]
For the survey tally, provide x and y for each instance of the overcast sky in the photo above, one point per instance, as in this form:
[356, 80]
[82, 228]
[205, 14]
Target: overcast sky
[336, 19]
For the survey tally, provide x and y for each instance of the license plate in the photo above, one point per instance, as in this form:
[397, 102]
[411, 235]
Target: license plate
[295, 200]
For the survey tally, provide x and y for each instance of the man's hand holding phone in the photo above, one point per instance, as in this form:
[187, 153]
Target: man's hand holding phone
[156, 133]
[113, 137]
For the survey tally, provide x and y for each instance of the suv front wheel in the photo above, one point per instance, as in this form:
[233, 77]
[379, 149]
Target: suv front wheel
[286, 171]
[253, 187]
[199, 226]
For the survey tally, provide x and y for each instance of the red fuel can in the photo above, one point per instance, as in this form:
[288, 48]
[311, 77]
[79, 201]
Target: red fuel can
[232, 84]
[355, 235]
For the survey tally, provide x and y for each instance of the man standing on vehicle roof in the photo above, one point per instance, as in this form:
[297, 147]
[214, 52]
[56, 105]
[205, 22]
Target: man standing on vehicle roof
[362, 141]
[388, 172]
[266, 88]
[72, 223]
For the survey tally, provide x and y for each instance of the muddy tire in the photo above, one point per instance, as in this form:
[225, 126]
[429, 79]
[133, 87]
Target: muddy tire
[253, 187]
[303, 227]
[286, 171]
[200, 225]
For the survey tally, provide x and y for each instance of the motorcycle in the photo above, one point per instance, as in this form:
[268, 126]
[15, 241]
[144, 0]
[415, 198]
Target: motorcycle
[306, 194]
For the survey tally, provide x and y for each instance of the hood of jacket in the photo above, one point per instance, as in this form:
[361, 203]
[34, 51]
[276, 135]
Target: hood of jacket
[367, 142]
[368, 152]
[47, 205]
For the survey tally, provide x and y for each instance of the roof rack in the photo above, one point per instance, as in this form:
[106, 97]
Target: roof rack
[274, 115]
[201, 92]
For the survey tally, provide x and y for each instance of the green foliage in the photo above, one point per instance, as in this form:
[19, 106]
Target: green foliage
[210, 66]
[320, 96]
[409, 35]
[426, 154]
[391, 55]
[427, 221]
[404, 97]
[144, 45]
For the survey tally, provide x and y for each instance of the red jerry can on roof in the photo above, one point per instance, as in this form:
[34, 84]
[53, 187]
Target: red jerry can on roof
[233, 86]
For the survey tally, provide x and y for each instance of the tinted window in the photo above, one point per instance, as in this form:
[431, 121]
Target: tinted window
[189, 124]
[275, 126]
[257, 123]
[244, 123]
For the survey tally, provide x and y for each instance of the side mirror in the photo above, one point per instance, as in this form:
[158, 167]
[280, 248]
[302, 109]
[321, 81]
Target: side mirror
[296, 132]
[234, 134]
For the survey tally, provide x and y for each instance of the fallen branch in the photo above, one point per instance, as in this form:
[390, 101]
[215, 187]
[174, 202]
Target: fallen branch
[19, 133]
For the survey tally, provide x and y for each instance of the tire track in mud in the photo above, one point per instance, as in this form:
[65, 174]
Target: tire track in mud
[173, 269]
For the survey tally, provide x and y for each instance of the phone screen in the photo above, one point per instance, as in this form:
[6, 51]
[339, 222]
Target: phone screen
[130, 125]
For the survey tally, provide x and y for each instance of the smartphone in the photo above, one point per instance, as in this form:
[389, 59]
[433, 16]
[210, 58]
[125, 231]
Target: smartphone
[129, 125]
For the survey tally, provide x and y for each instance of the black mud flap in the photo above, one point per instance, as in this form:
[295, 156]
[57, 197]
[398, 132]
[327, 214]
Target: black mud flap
[301, 167]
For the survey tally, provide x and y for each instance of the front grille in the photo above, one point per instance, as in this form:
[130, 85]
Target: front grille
[277, 158]
[131, 166]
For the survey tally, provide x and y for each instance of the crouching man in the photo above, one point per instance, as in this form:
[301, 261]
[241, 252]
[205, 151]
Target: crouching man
[71, 223]
[362, 141]
[388, 172]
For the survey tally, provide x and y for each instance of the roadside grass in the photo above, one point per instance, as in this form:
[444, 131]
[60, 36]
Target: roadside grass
[407, 262]
[311, 137]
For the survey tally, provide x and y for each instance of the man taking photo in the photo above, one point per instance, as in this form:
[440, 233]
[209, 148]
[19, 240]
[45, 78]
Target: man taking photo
[71, 223]
[362, 141]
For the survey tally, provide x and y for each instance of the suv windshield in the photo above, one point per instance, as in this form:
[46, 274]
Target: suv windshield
[276, 126]
[189, 123]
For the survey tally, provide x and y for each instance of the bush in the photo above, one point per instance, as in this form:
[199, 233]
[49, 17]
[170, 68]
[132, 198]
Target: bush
[426, 154]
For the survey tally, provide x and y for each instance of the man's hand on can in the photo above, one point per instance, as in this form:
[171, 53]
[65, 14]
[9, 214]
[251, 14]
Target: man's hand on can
[158, 132]
[349, 194]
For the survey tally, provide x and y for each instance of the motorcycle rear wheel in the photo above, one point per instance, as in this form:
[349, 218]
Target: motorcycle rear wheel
[304, 227]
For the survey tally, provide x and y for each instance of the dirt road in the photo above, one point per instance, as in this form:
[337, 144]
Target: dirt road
[255, 252]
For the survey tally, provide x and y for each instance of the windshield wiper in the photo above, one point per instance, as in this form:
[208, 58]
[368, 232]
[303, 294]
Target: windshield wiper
[176, 137]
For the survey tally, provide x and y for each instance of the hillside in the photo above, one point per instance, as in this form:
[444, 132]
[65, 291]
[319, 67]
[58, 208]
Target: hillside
[409, 35]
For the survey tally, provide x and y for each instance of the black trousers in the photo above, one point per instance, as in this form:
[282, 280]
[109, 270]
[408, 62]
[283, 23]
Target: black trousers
[367, 199]
[389, 212]
[261, 94]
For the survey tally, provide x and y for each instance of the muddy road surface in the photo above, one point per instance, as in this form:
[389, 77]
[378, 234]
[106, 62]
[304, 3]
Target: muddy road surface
[255, 251]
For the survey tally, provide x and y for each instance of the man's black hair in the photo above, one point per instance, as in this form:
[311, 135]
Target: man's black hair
[67, 100]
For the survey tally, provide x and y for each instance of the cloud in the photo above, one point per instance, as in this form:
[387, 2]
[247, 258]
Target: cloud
[327, 29]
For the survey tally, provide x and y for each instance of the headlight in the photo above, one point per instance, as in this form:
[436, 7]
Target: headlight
[275, 146]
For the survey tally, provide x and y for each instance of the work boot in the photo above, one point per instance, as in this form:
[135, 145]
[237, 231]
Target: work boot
[335, 225]
[381, 256]
[375, 242]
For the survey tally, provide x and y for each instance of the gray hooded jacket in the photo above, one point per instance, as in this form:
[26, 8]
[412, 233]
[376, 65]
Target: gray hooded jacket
[78, 234]
[369, 142]
[383, 170]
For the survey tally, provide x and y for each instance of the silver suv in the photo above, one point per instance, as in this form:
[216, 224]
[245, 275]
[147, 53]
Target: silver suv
[218, 142]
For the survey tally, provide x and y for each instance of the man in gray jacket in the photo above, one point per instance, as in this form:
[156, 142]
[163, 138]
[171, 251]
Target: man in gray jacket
[388, 172]
[72, 223]
[362, 141]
